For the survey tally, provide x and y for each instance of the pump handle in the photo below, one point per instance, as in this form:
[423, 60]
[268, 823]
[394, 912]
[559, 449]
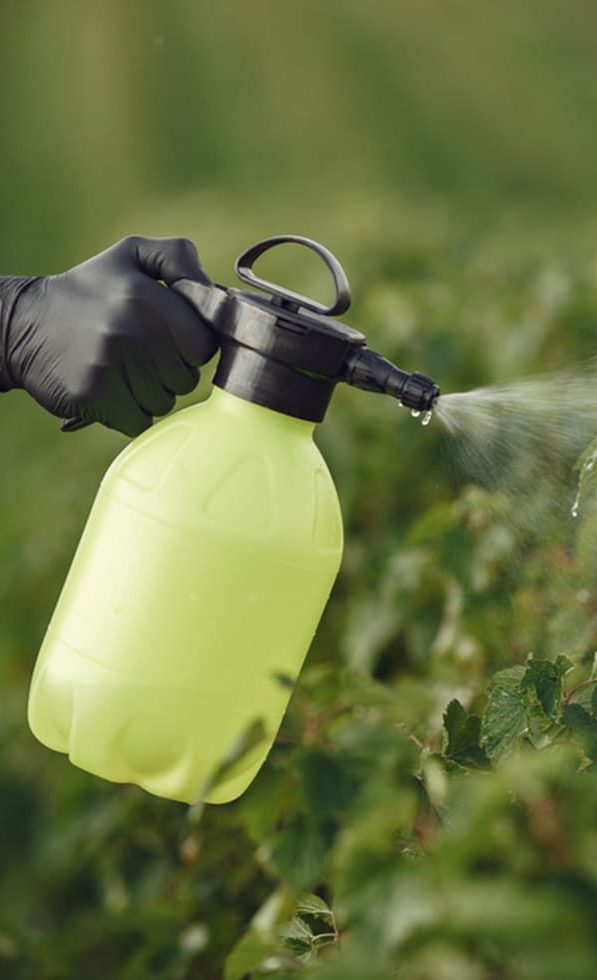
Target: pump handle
[290, 300]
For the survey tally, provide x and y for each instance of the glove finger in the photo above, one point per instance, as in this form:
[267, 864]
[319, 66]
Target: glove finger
[152, 336]
[195, 342]
[140, 374]
[108, 401]
[168, 259]
[131, 421]
[116, 408]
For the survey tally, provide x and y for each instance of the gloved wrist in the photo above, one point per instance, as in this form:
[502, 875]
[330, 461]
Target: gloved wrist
[12, 290]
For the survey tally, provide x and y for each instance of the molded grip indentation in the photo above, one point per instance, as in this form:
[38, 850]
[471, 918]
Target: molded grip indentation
[148, 462]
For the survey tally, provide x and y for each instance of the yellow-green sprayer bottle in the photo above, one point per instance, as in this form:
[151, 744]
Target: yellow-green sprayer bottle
[209, 555]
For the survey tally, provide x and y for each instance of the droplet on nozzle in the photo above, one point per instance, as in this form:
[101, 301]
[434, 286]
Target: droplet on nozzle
[415, 413]
[427, 417]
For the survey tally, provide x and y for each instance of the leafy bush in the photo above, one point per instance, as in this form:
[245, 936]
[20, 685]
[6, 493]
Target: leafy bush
[439, 863]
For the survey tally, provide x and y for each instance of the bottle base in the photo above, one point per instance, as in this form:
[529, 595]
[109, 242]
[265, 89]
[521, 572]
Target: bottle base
[72, 698]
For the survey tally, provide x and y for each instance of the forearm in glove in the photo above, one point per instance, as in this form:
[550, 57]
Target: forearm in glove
[107, 341]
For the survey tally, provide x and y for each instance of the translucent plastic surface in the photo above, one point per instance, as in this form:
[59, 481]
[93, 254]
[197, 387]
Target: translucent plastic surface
[193, 597]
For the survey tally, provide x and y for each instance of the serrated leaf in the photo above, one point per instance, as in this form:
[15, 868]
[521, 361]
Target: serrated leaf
[249, 954]
[584, 696]
[297, 938]
[504, 719]
[581, 724]
[563, 664]
[545, 676]
[463, 731]
[313, 905]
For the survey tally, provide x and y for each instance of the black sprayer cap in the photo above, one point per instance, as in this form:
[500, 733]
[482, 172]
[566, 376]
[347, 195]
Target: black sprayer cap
[286, 352]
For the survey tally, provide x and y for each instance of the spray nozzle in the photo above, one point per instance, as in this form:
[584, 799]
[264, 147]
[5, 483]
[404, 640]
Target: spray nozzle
[286, 351]
[370, 371]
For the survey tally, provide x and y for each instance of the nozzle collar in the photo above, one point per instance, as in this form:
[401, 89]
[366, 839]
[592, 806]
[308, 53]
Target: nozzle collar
[285, 360]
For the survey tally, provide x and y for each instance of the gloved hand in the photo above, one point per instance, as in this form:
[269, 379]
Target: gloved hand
[106, 341]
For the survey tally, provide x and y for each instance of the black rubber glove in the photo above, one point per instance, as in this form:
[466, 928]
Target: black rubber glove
[106, 341]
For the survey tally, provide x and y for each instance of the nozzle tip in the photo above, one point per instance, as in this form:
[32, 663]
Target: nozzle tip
[420, 392]
[368, 370]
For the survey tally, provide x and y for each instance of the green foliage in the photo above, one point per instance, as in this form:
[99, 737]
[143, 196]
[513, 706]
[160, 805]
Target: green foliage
[505, 718]
[429, 809]
[523, 703]
[443, 865]
[463, 733]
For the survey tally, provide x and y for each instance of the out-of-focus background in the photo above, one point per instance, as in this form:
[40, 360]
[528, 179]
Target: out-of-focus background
[448, 154]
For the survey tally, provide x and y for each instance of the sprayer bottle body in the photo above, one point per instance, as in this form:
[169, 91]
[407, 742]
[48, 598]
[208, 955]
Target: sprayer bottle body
[210, 552]
[201, 576]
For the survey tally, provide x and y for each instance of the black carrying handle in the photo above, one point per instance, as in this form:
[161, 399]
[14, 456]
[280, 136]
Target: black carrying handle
[244, 270]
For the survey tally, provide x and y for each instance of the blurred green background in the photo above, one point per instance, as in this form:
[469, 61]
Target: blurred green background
[447, 152]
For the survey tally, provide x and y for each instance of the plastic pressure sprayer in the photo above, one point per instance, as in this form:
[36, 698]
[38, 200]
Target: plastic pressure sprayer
[210, 552]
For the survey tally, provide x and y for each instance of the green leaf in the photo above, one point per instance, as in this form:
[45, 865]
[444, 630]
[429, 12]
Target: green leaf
[504, 719]
[581, 724]
[328, 786]
[594, 702]
[297, 938]
[463, 731]
[297, 854]
[585, 696]
[313, 905]
[563, 664]
[546, 678]
[249, 954]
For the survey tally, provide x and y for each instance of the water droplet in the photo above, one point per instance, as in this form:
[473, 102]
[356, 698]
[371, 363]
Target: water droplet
[427, 418]
[415, 414]
[574, 508]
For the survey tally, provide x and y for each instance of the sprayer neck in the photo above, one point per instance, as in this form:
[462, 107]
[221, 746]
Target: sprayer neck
[253, 376]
